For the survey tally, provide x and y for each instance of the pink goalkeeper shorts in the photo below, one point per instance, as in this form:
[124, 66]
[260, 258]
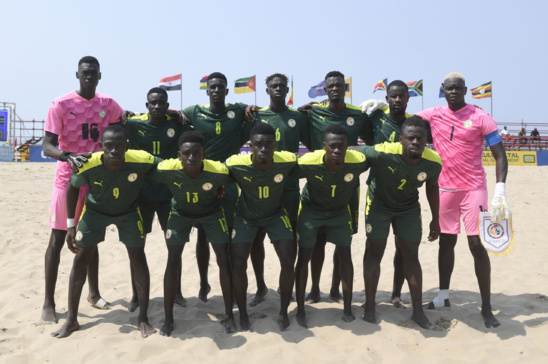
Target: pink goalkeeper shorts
[58, 208]
[467, 204]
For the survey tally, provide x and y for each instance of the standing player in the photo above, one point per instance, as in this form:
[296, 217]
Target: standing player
[74, 122]
[222, 126]
[337, 112]
[194, 182]
[332, 175]
[261, 176]
[393, 199]
[157, 134]
[115, 176]
[459, 130]
[291, 127]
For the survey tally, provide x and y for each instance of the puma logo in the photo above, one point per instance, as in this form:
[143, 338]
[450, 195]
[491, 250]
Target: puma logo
[141, 132]
[248, 178]
[392, 169]
[323, 118]
[264, 121]
[178, 184]
[98, 183]
[320, 178]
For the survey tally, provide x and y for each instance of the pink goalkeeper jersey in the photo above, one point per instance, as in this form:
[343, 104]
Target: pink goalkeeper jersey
[458, 138]
[79, 123]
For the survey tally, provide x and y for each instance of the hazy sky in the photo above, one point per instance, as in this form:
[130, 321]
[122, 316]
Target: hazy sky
[139, 42]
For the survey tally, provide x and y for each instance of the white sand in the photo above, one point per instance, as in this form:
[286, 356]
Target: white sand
[519, 297]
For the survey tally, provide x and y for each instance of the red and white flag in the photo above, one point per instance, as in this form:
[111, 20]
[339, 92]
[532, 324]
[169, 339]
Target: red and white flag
[171, 83]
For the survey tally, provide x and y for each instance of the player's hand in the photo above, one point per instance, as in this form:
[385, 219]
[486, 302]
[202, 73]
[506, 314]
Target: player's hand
[75, 161]
[371, 105]
[221, 191]
[181, 118]
[499, 207]
[325, 102]
[249, 113]
[126, 115]
[434, 230]
[71, 244]
[306, 107]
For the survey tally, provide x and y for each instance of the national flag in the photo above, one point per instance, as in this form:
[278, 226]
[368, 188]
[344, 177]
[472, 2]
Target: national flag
[290, 101]
[482, 91]
[244, 85]
[203, 83]
[171, 83]
[318, 90]
[348, 87]
[441, 91]
[415, 88]
[381, 85]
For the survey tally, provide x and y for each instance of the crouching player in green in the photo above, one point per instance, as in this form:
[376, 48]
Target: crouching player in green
[393, 198]
[261, 176]
[332, 175]
[115, 176]
[194, 182]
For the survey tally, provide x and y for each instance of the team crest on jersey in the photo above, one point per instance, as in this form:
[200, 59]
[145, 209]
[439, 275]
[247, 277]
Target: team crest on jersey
[368, 228]
[422, 176]
[132, 177]
[168, 233]
[79, 236]
[52, 217]
[207, 186]
[467, 124]
[231, 114]
[350, 121]
[233, 233]
[349, 177]
[171, 133]
[291, 123]
[102, 113]
[278, 178]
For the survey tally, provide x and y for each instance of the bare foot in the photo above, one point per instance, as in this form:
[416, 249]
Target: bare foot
[48, 314]
[146, 330]
[101, 303]
[421, 319]
[180, 300]
[259, 297]
[283, 322]
[133, 304]
[313, 297]
[301, 319]
[398, 303]
[204, 290]
[490, 319]
[348, 317]
[166, 329]
[66, 329]
[336, 296]
[244, 324]
[230, 325]
[369, 315]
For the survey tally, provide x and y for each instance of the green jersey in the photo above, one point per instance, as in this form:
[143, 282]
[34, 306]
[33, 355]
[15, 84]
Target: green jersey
[193, 197]
[396, 183]
[261, 190]
[327, 190]
[356, 123]
[114, 193]
[159, 140]
[224, 133]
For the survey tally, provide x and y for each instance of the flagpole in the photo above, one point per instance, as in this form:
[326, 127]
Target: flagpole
[181, 91]
[491, 99]
[351, 103]
[422, 100]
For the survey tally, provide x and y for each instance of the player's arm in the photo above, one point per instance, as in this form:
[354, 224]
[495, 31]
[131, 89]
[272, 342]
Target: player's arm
[250, 113]
[72, 200]
[49, 146]
[499, 206]
[367, 131]
[306, 107]
[433, 196]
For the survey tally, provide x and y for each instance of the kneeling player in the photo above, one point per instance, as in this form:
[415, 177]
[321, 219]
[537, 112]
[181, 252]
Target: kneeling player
[194, 182]
[115, 177]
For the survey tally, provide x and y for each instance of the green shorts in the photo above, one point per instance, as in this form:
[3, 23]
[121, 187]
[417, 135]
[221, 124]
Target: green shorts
[337, 227]
[92, 226]
[277, 226]
[179, 227]
[290, 201]
[148, 208]
[228, 202]
[407, 224]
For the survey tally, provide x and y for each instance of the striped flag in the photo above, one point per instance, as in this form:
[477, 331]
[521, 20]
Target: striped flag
[441, 91]
[381, 85]
[482, 92]
[415, 88]
[171, 83]
[318, 90]
[290, 101]
[348, 87]
[203, 83]
[244, 85]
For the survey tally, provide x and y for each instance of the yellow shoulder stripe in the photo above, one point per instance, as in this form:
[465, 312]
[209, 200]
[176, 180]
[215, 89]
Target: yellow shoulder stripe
[431, 155]
[93, 161]
[284, 157]
[170, 165]
[352, 107]
[215, 167]
[239, 160]
[312, 157]
[389, 148]
[353, 156]
[138, 156]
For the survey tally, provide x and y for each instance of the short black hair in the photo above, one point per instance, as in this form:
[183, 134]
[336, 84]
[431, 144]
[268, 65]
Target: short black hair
[415, 120]
[397, 83]
[335, 129]
[191, 137]
[217, 75]
[88, 59]
[334, 74]
[263, 129]
[114, 129]
[280, 75]
[157, 90]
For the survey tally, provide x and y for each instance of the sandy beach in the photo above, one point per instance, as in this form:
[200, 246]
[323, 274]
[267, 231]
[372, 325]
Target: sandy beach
[519, 297]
